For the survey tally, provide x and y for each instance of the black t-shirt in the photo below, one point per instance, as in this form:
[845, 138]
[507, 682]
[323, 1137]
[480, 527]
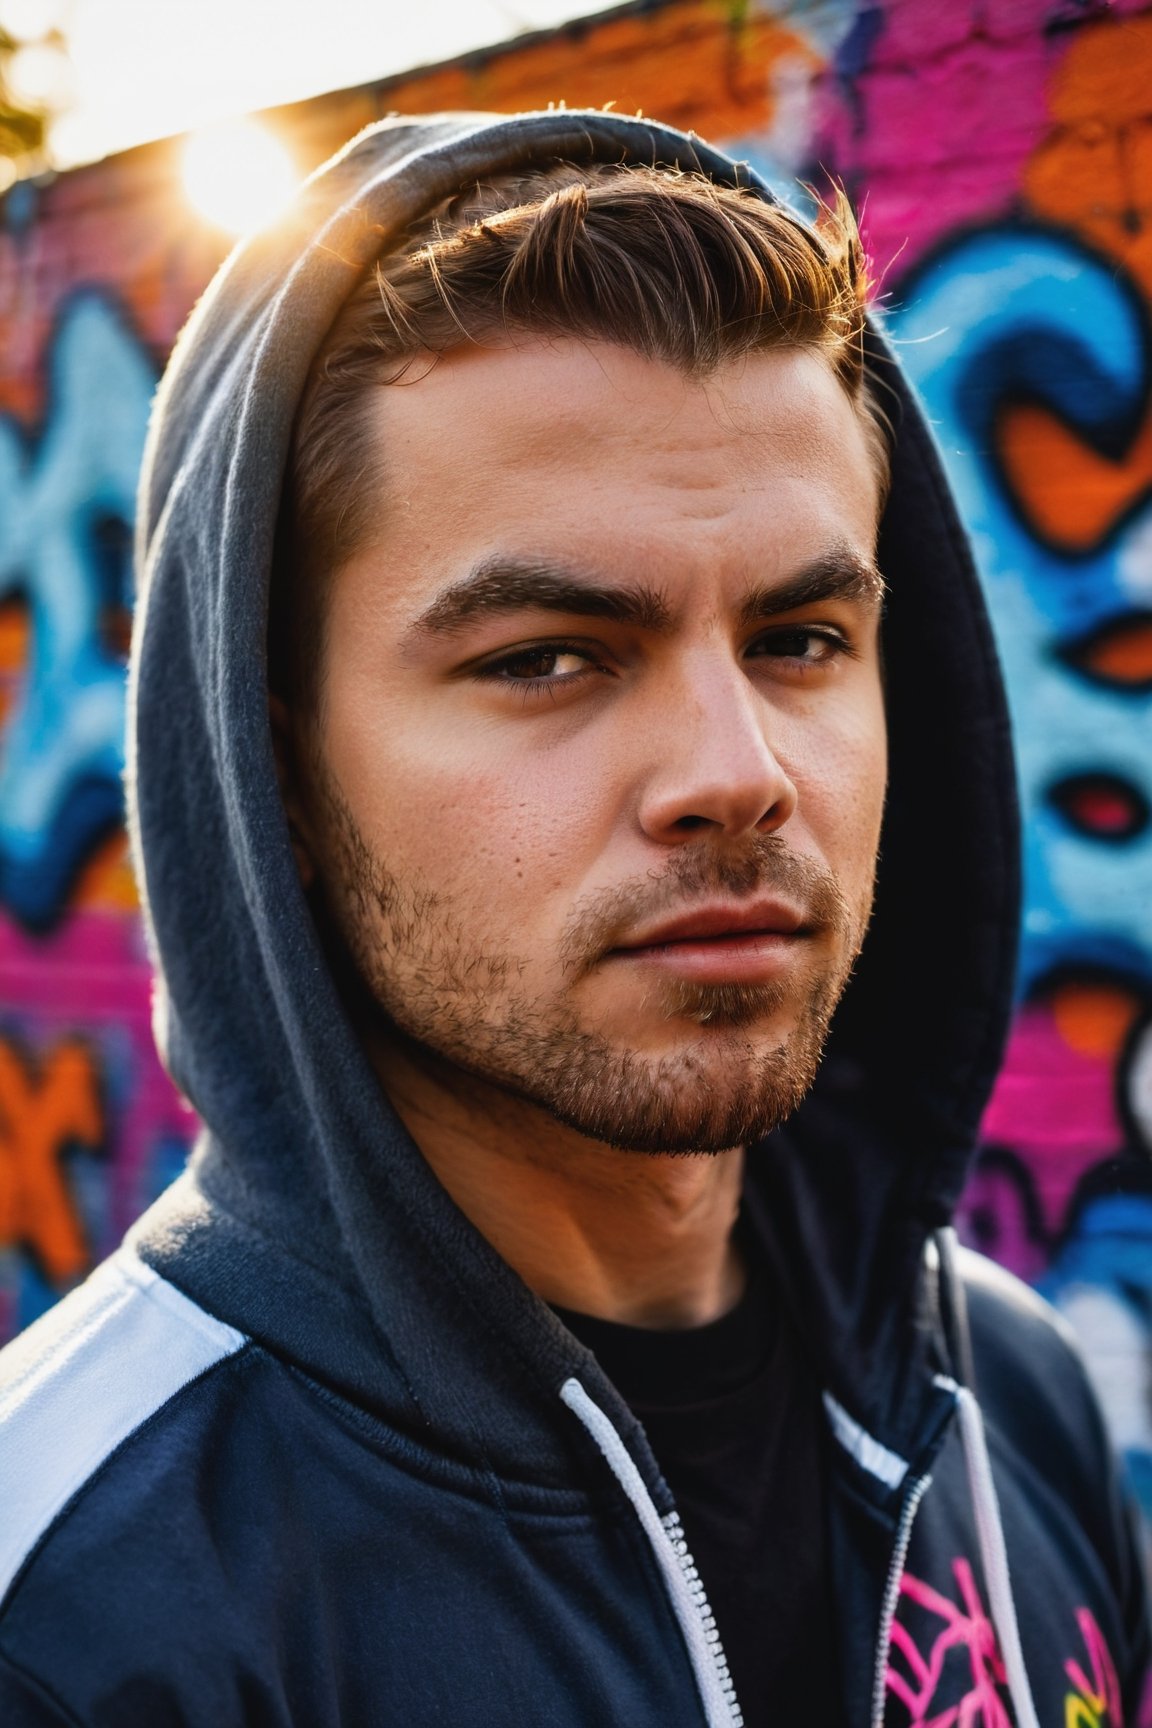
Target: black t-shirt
[733, 1416]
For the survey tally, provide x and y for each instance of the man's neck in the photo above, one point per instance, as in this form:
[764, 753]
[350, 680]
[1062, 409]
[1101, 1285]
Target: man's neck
[644, 1239]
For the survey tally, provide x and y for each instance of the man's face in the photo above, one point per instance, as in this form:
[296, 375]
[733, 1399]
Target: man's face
[595, 785]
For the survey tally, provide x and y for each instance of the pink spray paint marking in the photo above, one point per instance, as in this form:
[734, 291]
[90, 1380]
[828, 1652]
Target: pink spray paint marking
[966, 1627]
[1102, 1692]
[1055, 1107]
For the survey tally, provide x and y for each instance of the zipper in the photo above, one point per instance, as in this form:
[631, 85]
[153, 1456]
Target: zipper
[908, 1512]
[685, 1588]
[675, 1533]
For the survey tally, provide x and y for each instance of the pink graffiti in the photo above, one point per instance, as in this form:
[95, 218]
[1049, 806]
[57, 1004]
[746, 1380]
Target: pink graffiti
[91, 979]
[1055, 1106]
[966, 1627]
[1102, 1692]
[94, 973]
[959, 109]
[932, 94]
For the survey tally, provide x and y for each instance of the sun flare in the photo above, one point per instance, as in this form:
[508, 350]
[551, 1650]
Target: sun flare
[237, 175]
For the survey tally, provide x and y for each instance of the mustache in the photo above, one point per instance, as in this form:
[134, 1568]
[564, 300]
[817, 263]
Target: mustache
[603, 921]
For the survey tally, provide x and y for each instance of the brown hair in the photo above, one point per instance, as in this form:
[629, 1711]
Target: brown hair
[667, 263]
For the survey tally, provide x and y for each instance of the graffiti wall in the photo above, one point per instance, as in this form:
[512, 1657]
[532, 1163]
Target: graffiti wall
[1020, 304]
[88, 1126]
[1001, 151]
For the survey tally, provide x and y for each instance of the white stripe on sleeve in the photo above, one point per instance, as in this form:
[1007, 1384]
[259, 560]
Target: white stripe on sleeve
[84, 1378]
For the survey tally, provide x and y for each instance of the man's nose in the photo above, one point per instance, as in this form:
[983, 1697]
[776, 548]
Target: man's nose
[715, 767]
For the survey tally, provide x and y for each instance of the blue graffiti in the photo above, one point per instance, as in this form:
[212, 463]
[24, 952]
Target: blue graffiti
[1019, 315]
[67, 503]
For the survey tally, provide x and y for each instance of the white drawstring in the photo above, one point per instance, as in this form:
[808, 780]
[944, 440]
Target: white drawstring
[993, 1553]
[689, 1603]
[716, 1693]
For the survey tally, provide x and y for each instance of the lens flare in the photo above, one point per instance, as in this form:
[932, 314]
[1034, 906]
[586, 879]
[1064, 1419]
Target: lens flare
[237, 175]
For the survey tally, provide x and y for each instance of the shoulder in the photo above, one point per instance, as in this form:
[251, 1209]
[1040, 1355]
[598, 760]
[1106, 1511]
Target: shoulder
[1013, 1326]
[1031, 1378]
[1019, 1341]
[81, 1382]
[151, 1457]
[1037, 1399]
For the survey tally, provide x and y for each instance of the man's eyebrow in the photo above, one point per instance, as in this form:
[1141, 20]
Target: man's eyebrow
[503, 585]
[510, 585]
[840, 574]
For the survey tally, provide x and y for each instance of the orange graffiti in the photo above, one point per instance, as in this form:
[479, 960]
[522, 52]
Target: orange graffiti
[712, 66]
[1070, 493]
[43, 1107]
[106, 882]
[1092, 173]
[1119, 654]
[1095, 1019]
[13, 651]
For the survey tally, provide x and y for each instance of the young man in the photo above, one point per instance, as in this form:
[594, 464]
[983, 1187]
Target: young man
[537, 1336]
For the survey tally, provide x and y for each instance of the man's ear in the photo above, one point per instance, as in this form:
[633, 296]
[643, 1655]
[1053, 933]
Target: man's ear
[285, 748]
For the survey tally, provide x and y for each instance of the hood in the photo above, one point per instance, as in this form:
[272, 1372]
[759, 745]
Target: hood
[308, 1218]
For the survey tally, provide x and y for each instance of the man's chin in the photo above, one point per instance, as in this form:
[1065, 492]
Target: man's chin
[706, 1093]
[684, 1126]
[690, 1068]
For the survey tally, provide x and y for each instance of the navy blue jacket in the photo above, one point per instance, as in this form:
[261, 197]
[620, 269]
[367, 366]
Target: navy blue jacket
[307, 1450]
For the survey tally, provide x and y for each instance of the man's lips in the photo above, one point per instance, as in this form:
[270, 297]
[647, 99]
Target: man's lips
[712, 923]
[721, 944]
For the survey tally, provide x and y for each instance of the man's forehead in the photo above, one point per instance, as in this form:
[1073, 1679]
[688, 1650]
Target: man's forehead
[571, 404]
[487, 484]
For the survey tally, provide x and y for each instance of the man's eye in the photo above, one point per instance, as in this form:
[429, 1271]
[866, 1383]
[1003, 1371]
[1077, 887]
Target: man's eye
[803, 643]
[550, 663]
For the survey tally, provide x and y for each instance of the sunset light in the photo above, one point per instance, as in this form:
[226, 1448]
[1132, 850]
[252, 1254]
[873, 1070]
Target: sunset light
[142, 69]
[237, 174]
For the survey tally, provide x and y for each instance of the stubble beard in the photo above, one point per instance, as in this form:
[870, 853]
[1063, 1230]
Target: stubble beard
[430, 984]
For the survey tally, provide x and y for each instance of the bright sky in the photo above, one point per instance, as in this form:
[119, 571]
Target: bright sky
[146, 68]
